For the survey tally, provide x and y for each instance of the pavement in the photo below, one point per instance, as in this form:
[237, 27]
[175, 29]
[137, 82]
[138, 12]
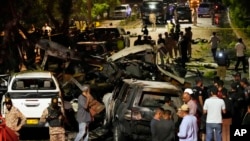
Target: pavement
[201, 53]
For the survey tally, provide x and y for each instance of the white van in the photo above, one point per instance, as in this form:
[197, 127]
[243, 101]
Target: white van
[31, 93]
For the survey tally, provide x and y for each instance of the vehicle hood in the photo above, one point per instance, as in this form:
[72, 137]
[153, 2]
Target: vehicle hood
[56, 50]
[127, 51]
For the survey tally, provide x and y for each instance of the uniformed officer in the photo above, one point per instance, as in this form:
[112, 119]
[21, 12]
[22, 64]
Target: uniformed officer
[13, 117]
[53, 114]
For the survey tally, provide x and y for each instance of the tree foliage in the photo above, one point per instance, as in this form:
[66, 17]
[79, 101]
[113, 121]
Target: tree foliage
[239, 11]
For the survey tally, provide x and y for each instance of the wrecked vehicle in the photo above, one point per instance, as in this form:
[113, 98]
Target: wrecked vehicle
[141, 62]
[130, 107]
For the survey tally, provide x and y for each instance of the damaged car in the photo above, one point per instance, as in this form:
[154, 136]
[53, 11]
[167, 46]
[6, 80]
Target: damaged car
[131, 106]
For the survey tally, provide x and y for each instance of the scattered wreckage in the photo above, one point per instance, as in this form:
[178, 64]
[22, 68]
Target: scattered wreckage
[137, 85]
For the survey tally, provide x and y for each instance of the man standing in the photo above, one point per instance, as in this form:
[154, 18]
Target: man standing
[188, 99]
[214, 40]
[195, 16]
[214, 107]
[155, 125]
[152, 20]
[46, 30]
[188, 130]
[168, 106]
[240, 49]
[168, 126]
[54, 116]
[14, 118]
[83, 115]
[183, 47]
[189, 35]
[222, 61]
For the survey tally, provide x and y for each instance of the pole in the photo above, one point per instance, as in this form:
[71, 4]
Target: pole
[89, 12]
[249, 67]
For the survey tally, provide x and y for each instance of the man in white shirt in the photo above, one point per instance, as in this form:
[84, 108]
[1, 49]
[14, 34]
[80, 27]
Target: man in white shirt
[214, 107]
[240, 49]
[46, 29]
[152, 19]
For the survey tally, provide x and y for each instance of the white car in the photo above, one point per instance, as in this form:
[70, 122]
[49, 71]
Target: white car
[31, 93]
[122, 11]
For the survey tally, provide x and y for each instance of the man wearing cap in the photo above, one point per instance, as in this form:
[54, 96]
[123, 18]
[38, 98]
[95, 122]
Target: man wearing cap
[188, 130]
[53, 114]
[13, 117]
[83, 115]
[214, 107]
[187, 99]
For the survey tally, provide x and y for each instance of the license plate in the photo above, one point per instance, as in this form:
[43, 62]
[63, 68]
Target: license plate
[32, 121]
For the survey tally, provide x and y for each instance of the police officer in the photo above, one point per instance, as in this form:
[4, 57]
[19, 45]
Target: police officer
[223, 62]
[13, 117]
[53, 114]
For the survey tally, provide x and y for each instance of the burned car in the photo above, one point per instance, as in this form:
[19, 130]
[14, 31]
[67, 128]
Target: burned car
[130, 107]
[93, 52]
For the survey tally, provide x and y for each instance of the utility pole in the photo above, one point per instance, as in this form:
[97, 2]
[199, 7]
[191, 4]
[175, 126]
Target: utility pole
[89, 5]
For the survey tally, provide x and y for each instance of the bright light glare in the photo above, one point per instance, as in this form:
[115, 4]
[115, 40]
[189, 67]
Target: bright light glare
[152, 6]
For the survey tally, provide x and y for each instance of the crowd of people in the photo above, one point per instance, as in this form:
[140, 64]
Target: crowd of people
[174, 44]
[207, 112]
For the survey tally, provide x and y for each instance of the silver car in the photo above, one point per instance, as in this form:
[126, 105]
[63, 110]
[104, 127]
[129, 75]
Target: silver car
[204, 9]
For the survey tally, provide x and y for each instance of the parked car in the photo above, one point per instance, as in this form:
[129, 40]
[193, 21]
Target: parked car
[31, 92]
[183, 13]
[103, 33]
[204, 9]
[130, 107]
[122, 11]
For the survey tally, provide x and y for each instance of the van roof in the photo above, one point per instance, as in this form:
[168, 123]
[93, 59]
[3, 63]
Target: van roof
[33, 74]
